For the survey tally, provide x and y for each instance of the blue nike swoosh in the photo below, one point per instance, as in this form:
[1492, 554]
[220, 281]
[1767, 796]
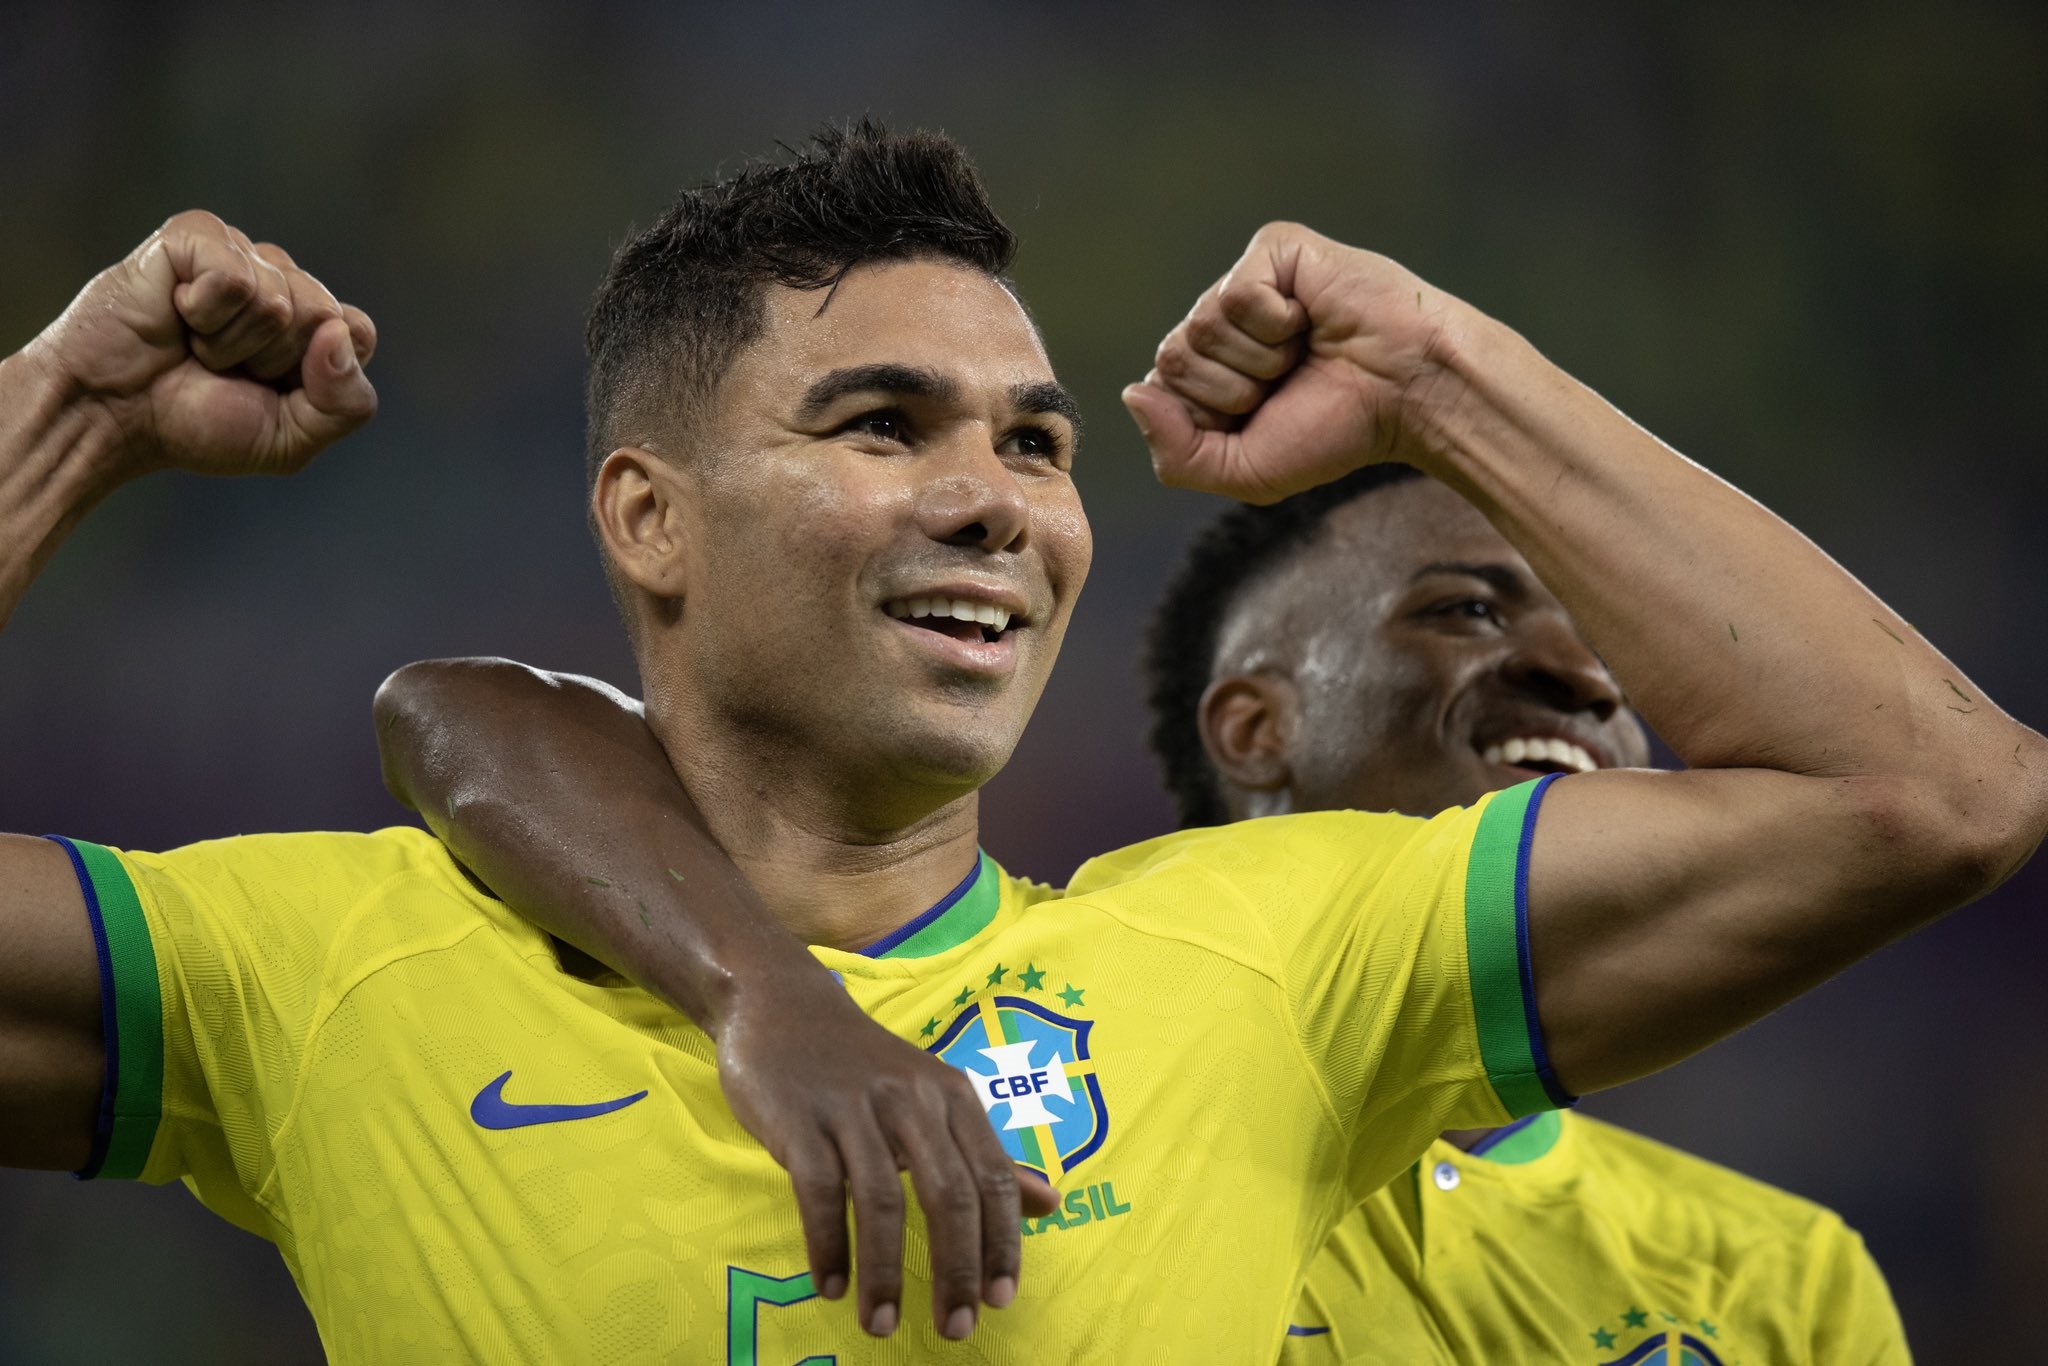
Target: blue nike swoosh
[491, 1110]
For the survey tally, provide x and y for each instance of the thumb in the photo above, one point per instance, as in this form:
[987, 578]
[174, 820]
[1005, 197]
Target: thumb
[1036, 1194]
[1169, 431]
[334, 396]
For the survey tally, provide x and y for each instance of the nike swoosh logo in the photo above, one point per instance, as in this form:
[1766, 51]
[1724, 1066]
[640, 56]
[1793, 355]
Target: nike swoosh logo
[491, 1110]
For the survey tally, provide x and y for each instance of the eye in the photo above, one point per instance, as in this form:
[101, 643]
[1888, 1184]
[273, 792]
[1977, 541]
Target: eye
[1469, 612]
[1035, 443]
[889, 425]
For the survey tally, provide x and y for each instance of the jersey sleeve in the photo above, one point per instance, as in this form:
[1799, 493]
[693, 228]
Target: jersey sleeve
[1849, 1306]
[1401, 946]
[212, 962]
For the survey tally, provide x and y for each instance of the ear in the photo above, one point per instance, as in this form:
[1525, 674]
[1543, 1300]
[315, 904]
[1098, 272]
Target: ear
[1248, 724]
[640, 511]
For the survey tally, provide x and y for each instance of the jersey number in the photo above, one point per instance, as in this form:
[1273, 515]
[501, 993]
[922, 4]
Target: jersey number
[745, 1293]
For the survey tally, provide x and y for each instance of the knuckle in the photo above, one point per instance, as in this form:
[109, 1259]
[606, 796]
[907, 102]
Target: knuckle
[888, 1088]
[997, 1183]
[1205, 328]
[959, 1285]
[879, 1197]
[192, 220]
[953, 1198]
[1173, 360]
[1239, 295]
[815, 1186]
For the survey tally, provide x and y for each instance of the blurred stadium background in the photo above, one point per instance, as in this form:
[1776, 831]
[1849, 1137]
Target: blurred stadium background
[1806, 247]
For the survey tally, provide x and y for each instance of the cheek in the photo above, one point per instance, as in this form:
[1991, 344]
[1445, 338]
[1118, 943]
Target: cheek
[794, 538]
[1068, 541]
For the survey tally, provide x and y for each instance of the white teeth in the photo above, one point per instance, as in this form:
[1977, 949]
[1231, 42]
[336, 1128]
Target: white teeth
[1541, 749]
[960, 609]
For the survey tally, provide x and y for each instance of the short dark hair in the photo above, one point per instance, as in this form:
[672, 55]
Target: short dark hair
[1233, 552]
[684, 297]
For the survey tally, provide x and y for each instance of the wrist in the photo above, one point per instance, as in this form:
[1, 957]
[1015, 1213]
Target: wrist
[1487, 402]
[51, 419]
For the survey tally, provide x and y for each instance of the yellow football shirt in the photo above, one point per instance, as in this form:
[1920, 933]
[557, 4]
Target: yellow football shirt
[1593, 1245]
[1215, 1043]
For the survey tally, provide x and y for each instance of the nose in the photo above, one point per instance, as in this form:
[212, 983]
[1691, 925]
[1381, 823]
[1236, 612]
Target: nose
[974, 500]
[1551, 663]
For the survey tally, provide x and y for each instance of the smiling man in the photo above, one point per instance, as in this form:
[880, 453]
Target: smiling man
[1444, 671]
[814, 404]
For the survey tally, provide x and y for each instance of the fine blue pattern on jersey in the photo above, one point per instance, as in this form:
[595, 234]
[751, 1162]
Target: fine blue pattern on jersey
[491, 1110]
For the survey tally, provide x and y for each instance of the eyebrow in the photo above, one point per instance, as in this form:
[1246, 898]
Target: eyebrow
[905, 381]
[1502, 579]
[1046, 397]
[910, 381]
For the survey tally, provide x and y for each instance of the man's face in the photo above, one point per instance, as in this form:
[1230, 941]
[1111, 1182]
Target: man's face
[885, 540]
[1429, 664]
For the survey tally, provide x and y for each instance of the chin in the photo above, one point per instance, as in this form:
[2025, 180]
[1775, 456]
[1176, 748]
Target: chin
[960, 748]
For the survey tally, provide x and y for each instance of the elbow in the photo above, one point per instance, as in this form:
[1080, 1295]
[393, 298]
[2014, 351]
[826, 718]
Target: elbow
[405, 710]
[1963, 836]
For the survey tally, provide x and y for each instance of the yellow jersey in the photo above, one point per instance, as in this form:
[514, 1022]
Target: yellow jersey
[1215, 1044]
[1572, 1241]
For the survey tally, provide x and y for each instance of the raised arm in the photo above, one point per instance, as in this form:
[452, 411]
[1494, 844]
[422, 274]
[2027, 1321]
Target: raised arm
[1848, 783]
[553, 791]
[200, 350]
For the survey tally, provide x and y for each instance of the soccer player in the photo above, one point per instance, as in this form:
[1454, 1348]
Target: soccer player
[1445, 671]
[1384, 652]
[832, 480]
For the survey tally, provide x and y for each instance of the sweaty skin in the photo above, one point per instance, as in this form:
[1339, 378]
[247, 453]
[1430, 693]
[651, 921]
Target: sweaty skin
[1391, 695]
[910, 441]
[203, 351]
[1835, 801]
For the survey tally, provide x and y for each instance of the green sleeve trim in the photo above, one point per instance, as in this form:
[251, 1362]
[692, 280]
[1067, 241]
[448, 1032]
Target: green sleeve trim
[132, 1108]
[1497, 953]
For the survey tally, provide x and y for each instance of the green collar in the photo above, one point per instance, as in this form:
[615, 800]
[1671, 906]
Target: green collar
[960, 915]
[1524, 1141]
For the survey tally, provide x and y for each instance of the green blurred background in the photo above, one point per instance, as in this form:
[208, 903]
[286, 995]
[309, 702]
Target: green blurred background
[1804, 245]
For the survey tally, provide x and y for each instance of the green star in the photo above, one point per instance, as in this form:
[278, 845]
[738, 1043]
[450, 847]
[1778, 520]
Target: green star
[1602, 1338]
[998, 975]
[1667, 1316]
[1709, 1329]
[931, 1027]
[1031, 977]
[1635, 1318]
[965, 993]
[1072, 995]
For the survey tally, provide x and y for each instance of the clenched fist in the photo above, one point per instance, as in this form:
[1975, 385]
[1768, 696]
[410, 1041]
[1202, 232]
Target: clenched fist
[1306, 361]
[204, 351]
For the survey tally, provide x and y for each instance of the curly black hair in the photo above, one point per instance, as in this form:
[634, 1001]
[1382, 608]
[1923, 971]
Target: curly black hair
[682, 298]
[1229, 555]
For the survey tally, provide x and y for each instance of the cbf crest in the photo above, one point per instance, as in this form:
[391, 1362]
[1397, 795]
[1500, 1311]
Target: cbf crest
[1035, 1077]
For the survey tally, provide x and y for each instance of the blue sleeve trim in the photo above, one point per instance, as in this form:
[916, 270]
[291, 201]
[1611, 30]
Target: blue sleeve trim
[1559, 1097]
[103, 1126]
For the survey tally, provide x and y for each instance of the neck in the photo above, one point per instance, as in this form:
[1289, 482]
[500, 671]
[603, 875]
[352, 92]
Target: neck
[839, 862]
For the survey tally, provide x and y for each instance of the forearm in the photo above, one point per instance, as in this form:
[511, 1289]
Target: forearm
[615, 861]
[1743, 643]
[54, 465]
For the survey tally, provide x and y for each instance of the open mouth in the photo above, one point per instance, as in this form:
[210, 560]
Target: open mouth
[1542, 754]
[975, 623]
